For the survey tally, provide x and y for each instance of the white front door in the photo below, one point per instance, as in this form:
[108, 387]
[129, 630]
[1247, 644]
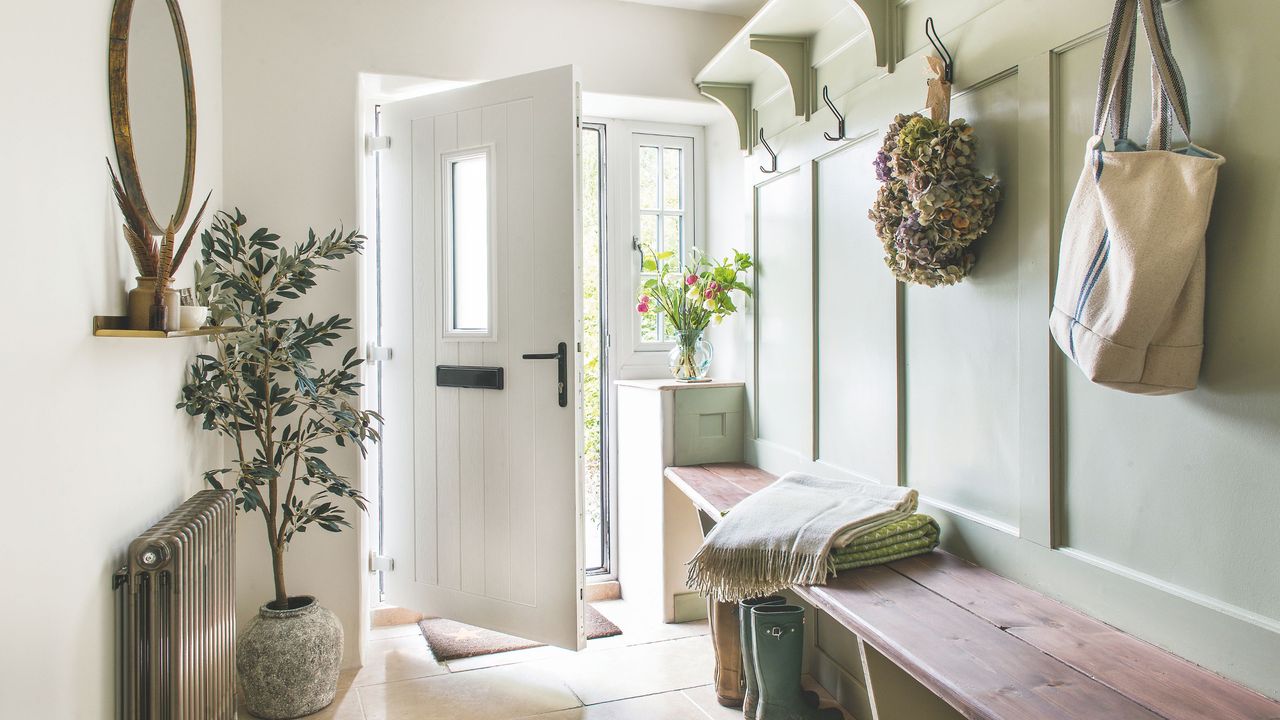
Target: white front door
[480, 226]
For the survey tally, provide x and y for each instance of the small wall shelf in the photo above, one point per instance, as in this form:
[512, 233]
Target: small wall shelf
[736, 98]
[118, 326]
[784, 42]
[793, 57]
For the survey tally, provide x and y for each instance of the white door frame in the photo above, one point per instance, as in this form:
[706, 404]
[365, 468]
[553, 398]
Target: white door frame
[625, 361]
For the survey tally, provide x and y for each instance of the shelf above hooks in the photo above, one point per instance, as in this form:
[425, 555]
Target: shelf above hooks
[793, 57]
[736, 98]
[879, 16]
[778, 49]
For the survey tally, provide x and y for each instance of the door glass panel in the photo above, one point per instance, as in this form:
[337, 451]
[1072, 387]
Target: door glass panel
[648, 178]
[671, 176]
[469, 251]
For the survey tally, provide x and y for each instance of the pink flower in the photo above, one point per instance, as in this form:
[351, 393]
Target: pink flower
[710, 293]
[642, 308]
[691, 280]
[644, 299]
[714, 285]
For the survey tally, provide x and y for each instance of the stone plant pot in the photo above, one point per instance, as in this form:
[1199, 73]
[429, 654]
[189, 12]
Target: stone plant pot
[288, 660]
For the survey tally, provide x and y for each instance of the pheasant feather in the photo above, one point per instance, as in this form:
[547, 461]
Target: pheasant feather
[135, 228]
[191, 233]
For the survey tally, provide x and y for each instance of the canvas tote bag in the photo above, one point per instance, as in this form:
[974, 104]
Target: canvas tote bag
[1128, 308]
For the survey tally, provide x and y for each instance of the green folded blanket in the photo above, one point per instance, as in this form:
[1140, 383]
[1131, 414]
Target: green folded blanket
[787, 533]
[915, 535]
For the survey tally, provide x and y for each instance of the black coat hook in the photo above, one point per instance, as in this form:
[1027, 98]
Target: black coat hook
[773, 168]
[826, 98]
[934, 39]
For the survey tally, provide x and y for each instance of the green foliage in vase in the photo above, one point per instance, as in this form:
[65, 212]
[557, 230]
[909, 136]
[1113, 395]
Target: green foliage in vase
[266, 390]
[693, 296]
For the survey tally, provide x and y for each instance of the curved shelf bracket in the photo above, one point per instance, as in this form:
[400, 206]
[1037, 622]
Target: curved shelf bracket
[792, 56]
[879, 16]
[736, 99]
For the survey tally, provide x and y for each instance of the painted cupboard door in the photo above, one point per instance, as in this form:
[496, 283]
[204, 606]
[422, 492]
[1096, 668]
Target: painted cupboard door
[482, 498]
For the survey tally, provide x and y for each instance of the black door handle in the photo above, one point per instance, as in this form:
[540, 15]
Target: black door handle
[562, 357]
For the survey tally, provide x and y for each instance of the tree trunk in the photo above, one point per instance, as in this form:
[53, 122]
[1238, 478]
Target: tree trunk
[277, 569]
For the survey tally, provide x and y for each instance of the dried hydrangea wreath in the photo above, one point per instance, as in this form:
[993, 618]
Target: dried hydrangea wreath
[933, 203]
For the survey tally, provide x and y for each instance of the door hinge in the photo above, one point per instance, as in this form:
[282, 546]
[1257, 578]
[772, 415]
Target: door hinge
[381, 563]
[377, 353]
[374, 143]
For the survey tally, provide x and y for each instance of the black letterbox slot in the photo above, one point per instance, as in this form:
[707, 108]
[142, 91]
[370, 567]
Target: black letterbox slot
[469, 376]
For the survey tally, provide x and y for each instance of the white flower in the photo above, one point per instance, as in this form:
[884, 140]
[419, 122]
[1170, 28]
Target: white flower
[708, 304]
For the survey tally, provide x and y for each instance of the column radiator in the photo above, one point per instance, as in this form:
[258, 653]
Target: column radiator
[176, 622]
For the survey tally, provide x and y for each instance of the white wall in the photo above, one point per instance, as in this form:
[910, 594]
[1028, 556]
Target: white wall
[728, 229]
[94, 449]
[291, 70]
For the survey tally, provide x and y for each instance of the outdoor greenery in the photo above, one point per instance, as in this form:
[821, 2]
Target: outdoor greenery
[265, 390]
[592, 355]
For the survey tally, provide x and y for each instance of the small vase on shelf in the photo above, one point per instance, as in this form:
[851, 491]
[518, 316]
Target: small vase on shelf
[141, 300]
[690, 358]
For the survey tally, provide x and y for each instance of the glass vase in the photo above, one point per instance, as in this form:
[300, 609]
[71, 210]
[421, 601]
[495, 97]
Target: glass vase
[690, 358]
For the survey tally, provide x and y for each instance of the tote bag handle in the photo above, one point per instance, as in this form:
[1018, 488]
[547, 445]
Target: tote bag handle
[1115, 84]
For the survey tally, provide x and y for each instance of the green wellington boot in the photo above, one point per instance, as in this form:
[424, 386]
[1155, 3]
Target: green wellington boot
[778, 633]
[750, 689]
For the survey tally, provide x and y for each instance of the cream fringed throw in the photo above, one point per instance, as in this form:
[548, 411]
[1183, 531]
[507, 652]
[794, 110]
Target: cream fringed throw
[784, 534]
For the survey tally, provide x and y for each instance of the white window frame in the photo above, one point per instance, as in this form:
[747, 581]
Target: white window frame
[688, 212]
[445, 246]
[630, 358]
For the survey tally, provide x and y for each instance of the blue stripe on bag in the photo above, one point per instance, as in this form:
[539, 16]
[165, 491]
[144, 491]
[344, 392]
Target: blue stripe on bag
[1086, 289]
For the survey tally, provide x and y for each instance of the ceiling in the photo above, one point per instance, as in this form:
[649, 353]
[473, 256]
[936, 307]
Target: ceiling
[741, 8]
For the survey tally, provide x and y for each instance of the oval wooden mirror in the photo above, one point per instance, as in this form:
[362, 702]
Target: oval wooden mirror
[153, 108]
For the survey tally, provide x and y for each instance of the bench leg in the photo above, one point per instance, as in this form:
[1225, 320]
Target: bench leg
[895, 695]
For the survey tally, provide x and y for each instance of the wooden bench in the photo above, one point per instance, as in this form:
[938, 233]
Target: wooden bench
[989, 647]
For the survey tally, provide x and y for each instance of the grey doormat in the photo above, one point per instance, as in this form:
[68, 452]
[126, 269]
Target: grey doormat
[450, 640]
